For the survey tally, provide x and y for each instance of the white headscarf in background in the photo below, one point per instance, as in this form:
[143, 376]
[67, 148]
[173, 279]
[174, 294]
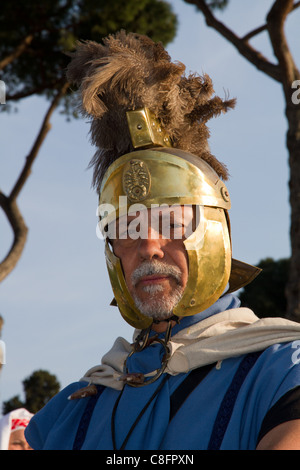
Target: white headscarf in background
[16, 419]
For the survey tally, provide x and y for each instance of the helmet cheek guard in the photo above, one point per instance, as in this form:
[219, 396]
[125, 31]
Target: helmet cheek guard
[209, 255]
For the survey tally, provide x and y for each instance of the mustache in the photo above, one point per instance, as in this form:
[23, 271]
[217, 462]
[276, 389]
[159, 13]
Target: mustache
[148, 268]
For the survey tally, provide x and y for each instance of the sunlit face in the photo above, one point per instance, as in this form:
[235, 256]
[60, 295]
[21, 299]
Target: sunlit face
[155, 264]
[17, 441]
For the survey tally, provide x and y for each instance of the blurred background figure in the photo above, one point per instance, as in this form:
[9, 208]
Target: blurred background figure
[12, 427]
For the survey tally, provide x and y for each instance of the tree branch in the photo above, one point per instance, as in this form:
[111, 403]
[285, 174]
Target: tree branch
[275, 22]
[9, 204]
[33, 91]
[262, 28]
[253, 33]
[20, 230]
[245, 49]
[51, 85]
[17, 52]
[46, 126]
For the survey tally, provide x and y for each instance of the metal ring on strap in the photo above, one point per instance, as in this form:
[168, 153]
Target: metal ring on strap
[135, 379]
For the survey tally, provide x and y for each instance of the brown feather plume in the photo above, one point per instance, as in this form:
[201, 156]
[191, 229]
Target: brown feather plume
[130, 71]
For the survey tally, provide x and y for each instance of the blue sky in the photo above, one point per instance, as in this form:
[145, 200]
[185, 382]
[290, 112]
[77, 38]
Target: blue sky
[55, 303]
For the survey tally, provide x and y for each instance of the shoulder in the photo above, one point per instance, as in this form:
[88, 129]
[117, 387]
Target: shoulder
[275, 372]
[59, 409]
[275, 386]
[281, 363]
[280, 428]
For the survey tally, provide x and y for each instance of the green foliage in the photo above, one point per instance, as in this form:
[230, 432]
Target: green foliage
[266, 294]
[13, 404]
[39, 388]
[52, 28]
[218, 4]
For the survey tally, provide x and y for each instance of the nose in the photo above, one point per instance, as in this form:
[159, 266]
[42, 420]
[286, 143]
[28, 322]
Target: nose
[151, 247]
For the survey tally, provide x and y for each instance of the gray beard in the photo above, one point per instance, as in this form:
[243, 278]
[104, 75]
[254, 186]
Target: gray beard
[158, 308]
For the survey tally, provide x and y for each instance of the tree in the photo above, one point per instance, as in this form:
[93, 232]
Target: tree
[266, 294]
[285, 72]
[34, 36]
[1, 346]
[34, 39]
[39, 388]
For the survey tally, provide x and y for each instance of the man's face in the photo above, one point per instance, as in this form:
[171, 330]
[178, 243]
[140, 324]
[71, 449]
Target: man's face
[153, 257]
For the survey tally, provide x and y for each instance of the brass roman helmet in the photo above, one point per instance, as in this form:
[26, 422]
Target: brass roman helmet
[157, 176]
[149, 126]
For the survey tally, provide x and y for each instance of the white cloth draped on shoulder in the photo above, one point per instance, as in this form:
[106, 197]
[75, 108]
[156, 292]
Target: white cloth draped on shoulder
[226, 334]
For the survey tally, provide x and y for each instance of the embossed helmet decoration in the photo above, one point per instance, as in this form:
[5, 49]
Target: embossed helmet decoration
[149, 128]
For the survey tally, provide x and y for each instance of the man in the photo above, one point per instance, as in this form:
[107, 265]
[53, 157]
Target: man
[12, 427]
[202, 372]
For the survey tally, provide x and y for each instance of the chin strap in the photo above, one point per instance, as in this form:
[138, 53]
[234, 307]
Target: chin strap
[136, 379]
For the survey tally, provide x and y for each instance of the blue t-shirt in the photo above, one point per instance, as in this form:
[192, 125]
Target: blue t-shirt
[275, 372]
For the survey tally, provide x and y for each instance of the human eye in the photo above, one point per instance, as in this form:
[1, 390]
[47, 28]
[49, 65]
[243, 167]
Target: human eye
[177, 229]
[122, 233]
[121, 229]
[170, 226]
[176, 224]
[17, 445]
[124, 236]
